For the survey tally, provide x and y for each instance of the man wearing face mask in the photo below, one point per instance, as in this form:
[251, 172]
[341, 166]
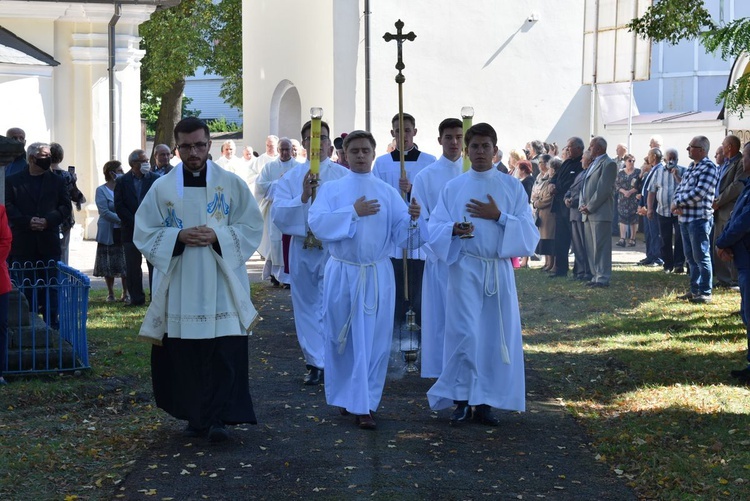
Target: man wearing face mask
[130, 191]
[19, 163]
[37, 202]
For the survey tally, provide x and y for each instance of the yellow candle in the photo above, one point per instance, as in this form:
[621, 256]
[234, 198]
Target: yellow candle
[467, 113]
[314, 152]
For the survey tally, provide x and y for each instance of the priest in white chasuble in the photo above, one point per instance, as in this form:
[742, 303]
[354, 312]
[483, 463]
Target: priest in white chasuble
[198, 225]
[483, 351]
[360, 218]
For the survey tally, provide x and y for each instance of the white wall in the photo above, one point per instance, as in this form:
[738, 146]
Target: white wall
[523, 78]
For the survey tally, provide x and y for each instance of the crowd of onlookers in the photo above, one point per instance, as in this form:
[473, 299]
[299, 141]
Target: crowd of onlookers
[695, 217]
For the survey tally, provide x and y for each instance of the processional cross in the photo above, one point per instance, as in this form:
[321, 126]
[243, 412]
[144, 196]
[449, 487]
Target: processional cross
[408, 346]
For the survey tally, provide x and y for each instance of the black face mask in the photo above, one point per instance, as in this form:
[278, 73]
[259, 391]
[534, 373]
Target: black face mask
[43, 163]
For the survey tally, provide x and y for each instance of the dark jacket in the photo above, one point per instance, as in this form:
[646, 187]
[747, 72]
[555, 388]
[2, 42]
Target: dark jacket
[736, 234]
[22, 202]
[127, 201]
[564, 177]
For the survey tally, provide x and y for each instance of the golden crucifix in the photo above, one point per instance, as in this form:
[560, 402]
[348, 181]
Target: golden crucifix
[399, 37]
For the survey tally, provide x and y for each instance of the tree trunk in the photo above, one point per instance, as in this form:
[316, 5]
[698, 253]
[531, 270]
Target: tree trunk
[169, 114]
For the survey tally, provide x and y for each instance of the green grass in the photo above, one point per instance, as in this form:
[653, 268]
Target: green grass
[66, 436]
[648, 377]
[644, 373]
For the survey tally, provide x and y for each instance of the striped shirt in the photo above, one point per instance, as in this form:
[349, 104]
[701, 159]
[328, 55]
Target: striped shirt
[695, 193]
[664, 185]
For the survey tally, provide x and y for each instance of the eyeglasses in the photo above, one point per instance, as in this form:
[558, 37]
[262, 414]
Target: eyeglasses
[189, 147]
[630, 160]
[694, 147]
[322, 138]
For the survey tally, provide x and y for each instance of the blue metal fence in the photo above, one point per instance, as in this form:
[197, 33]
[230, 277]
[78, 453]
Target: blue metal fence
[47, 319]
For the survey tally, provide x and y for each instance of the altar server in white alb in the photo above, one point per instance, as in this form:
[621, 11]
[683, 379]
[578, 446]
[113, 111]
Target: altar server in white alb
[265, 189]
[292, 200]
[198, 225]
[428, 184]
[360, 218]
[388, 168]
[483, 348]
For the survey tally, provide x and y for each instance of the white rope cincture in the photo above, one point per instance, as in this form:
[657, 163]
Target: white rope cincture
[491, 271]
[368, 309]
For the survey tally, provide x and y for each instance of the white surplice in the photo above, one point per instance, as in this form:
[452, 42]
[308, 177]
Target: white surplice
[306, 266]
[428, 183]
[270, 246]
[483, 346]
[198, 294]
[359, 290]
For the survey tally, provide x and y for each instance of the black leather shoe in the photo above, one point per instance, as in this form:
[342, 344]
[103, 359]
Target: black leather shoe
[462, 414]
[483, 415]
[314, 377]
[217, 433]
[192, 431]
[366, 422]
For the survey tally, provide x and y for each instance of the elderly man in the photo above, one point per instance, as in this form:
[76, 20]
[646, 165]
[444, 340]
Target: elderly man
[563, 179]
[162, 156]
[130, 191]
[660, 197]
[271, 153]
[693, 205]
[19, 163]
[265, 188]
[227, 157]
[596, 210]
[728, 189]
[650, 223]
[37, 202]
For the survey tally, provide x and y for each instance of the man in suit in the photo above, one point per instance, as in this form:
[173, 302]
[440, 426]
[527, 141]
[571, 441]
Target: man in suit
[728, 189]
[564, 177]
[37, 202]
[129, 193]
[597, 210]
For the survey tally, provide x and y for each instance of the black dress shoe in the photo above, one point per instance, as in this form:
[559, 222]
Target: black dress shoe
[483, 415]
[366, 422]
[217, 433]
[314, 377]
[679, 270]
[462, 414]
[192, 431]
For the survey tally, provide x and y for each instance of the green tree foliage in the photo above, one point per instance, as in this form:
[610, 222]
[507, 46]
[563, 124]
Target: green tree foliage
[672, 21]
[176, 41]
[226, 57]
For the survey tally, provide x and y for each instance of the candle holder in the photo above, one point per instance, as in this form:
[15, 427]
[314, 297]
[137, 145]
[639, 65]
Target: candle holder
[465, 226]
[467, 114]
[316, 114]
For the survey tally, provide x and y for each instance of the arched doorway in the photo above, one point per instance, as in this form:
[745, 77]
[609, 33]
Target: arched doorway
[286, 110]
